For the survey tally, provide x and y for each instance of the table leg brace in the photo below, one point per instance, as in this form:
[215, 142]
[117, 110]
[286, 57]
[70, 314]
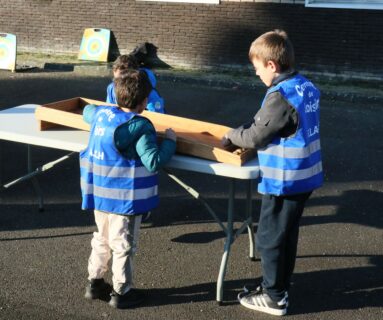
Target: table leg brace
[33, 173]
[229, 232]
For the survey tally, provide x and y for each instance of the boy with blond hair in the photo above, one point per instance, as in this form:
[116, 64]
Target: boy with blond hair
[285, 133]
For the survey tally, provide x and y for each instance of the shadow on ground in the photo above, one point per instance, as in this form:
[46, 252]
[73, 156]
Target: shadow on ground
[327, 290]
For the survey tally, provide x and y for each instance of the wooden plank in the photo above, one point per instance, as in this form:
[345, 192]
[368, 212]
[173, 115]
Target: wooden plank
[64, 113]
[207, 129]
[194, 137]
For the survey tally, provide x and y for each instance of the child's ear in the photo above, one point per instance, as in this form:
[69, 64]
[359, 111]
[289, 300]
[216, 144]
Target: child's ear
[143, 104]
[273, 66]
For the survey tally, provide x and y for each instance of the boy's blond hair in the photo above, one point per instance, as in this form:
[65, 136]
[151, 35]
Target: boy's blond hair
[273, 46]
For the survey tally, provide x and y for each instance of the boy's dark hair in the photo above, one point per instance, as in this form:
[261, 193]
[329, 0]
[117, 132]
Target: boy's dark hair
[125, 62]
[273, 46]
[132, 88]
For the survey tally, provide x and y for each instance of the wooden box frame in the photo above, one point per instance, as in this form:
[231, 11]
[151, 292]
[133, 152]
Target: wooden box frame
[194, 137]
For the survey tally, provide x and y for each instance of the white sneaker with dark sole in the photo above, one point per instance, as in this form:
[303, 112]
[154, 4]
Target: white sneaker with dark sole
[258, 289]
[263, 303]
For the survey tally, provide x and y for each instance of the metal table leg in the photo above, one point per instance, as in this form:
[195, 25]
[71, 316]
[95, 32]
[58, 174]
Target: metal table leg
[228, 241]
[35, 182]
[249, 216]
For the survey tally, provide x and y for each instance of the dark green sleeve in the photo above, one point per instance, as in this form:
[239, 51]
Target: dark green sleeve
[153, 156]
[138, 138]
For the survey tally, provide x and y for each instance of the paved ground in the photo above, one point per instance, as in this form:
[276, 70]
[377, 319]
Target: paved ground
[339, 272]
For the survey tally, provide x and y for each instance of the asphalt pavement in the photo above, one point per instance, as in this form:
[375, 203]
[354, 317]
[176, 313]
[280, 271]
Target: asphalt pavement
[339, 269]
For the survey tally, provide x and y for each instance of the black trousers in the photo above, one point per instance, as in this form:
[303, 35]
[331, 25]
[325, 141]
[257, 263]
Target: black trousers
[277, 240]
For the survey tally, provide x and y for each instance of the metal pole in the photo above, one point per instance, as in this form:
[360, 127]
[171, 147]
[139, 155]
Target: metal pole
[229, 240]
[35, 182]
[249, 216]
[196, 195]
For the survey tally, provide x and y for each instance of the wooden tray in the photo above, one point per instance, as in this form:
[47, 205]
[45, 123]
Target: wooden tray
[196, 138]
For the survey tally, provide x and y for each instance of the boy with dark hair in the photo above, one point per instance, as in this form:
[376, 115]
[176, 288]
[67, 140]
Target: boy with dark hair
[127, 62]
[121, 65]
[285, 132]
[119, 182]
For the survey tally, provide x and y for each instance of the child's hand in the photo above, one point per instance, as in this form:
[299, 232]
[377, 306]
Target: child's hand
[225, 141]
[170, 134]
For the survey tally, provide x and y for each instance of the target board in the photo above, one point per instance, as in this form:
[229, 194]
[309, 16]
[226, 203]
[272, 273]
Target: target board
[95, 45]
[7, 51]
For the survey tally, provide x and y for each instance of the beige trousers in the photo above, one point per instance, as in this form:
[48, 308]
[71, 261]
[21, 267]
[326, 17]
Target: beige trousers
[117, 236]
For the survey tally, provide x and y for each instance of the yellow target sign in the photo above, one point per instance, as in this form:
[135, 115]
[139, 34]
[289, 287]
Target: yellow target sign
[7, 51]
[95, 45]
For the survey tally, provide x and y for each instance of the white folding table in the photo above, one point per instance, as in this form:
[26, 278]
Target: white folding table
[18, 124]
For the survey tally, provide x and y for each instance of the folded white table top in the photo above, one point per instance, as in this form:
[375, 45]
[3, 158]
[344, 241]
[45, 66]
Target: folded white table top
[19, 124]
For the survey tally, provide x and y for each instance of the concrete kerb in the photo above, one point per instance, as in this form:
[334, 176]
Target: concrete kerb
[349, 88]
[333, 87]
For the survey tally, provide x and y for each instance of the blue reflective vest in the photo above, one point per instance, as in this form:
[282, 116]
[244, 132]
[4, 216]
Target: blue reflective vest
[155, 102]
[110, 182]
[293, 165]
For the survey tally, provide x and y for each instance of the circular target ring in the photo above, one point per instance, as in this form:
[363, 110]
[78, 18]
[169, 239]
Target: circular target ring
[95, 46]
[7, 51]
[4, 52]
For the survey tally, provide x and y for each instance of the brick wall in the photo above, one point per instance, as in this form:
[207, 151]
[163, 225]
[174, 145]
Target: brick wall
[333, 40]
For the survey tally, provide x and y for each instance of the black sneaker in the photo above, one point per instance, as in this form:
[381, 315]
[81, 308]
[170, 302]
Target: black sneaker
[130, 299]
[256, 288]
[97, 289]
[260, 301]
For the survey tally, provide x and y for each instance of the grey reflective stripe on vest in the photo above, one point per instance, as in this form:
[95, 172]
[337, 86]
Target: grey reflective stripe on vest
[119, 194]
[290, 175]
[116, 172]
[292, 153]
